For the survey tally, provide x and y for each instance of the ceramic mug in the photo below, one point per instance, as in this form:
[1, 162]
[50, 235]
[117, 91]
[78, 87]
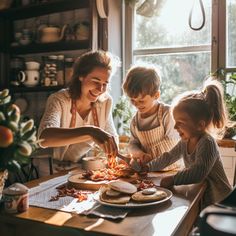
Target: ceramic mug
[29, 78]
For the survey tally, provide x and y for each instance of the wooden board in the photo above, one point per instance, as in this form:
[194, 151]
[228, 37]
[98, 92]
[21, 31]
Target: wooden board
[76, 181]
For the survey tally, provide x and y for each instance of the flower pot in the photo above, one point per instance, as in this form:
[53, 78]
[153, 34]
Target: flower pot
[3, 177]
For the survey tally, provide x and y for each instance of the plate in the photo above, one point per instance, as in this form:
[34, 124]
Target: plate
[133, 204]
[22, 103]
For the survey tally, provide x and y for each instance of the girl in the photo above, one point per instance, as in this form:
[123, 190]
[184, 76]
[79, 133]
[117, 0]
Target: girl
[152, 127]
[77, 117]
[196, 115]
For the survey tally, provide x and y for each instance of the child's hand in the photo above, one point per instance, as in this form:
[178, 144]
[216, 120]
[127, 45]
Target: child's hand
[142, 157]
[167, 181]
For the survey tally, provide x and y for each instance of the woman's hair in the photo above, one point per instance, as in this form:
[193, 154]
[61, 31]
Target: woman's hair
[86, 63]
[142, 80]
[207, 105]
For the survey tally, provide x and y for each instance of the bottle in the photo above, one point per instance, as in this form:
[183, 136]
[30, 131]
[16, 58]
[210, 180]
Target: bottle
[68, 69]
[60, 70]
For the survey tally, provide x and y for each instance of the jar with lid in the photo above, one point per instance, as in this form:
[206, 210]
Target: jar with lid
[68, 69]
[60, 70]
[50, 71]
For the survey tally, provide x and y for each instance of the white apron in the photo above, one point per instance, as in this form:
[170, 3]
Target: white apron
[154, 141]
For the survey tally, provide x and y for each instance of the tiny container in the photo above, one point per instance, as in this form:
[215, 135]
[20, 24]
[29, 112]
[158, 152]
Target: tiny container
[16, 198]
[94, 163]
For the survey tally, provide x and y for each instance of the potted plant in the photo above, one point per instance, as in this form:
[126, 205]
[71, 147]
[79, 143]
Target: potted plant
[230, 99]
[122, 115]
[17, 138]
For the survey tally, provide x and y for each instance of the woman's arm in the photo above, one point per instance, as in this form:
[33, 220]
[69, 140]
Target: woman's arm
[57, 137]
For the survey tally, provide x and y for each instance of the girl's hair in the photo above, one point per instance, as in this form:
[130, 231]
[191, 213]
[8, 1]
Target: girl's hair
[207, 105]
[86, 63]
[142, 80]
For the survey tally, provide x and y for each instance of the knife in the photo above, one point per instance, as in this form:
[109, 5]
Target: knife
[134, 165]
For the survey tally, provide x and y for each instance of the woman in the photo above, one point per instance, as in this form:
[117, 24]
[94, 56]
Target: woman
[77, 117]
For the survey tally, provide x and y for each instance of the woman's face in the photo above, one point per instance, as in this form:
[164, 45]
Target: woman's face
[94, 84]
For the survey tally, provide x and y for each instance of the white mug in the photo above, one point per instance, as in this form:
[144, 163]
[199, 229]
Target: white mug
[29, 78]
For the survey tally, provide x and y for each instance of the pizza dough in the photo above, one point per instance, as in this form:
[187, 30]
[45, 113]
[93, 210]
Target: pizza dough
[122, 186]
[140, 197]
[121, 199]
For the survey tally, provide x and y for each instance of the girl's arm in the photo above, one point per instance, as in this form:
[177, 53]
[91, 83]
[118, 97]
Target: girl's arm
[206, 155]
[166, 158]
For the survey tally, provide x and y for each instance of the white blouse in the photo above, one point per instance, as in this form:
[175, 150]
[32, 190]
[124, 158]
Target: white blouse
[58, 114]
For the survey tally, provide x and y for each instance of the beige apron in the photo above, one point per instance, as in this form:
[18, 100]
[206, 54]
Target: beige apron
[64, 164]
[154, 141]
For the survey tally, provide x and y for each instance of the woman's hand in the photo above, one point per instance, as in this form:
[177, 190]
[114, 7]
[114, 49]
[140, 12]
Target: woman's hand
[105, 140]
[167, 181]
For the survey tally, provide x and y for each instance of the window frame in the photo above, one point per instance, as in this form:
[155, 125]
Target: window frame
[217, 47]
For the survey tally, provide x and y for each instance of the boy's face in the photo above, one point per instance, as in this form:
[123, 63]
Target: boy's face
[145, 103]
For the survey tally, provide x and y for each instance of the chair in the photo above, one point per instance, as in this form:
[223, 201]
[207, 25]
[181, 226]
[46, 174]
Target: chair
[219, 219]
[42, 153]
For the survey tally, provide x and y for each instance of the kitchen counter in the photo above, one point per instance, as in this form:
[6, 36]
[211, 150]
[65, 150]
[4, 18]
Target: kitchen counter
[173, 217]
[227, 143]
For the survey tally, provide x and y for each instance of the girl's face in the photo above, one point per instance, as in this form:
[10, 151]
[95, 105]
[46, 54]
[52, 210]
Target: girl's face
[145, 103]
[94, 84]
[185, 126]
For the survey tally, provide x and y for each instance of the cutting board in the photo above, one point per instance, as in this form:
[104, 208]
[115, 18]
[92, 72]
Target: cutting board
[78, 182]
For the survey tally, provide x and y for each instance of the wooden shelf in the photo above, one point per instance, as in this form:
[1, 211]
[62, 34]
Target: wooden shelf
[35, 10]
[22, 89]
[50, 47]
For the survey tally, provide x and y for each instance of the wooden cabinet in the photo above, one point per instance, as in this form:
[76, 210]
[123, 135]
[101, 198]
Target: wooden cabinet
[15, 21]
[57, 13]
[228, 156]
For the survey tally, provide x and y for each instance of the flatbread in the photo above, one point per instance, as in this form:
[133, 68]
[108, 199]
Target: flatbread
[122, 186]
[122, 199]
[140, 197]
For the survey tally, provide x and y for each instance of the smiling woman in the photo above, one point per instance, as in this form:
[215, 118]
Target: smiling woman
[77, 117]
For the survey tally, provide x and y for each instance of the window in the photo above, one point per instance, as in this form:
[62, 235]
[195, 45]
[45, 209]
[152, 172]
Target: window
[162, 36]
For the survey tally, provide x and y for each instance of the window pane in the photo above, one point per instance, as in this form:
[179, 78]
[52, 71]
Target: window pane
[181, 72]
[169, 25]
[231, 29]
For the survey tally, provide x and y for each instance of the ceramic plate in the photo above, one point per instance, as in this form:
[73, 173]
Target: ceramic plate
[133, 204]
[22, 103]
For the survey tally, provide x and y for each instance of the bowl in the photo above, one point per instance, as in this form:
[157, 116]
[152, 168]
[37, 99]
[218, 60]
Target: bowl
[94, 163]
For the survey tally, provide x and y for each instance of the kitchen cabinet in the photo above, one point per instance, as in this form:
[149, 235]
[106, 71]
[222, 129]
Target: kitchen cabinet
[48, 15]
[51, 15]
[228, 157]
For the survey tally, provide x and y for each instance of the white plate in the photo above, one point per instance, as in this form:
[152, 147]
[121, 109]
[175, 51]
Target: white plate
[133, 204]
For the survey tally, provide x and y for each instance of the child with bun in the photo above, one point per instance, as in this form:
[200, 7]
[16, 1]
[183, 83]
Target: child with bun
[197, 114]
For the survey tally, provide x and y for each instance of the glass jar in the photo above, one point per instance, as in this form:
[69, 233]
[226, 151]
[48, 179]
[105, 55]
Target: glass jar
[50, 71]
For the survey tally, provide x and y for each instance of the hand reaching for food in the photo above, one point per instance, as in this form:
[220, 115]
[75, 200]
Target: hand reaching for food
[105, 140]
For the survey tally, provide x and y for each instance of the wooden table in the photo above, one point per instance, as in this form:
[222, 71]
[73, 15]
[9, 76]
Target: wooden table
[174, 217]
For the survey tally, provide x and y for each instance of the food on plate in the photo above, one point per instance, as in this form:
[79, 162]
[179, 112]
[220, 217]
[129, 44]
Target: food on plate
[122, 186]
[117, 192]
[149, 191]
[122, 198]
[140, 196]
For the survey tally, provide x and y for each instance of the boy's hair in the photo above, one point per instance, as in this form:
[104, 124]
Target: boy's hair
[142, 80]
[207, 105]
[86, 63]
